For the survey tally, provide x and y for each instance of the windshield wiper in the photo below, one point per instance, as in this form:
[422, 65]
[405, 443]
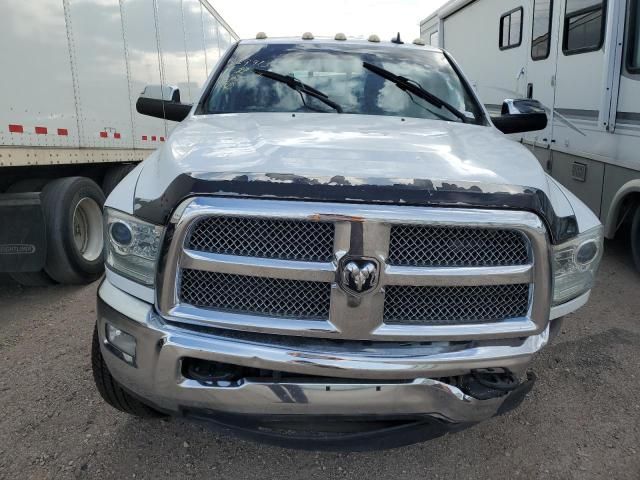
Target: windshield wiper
[413, 87]
[299, 87]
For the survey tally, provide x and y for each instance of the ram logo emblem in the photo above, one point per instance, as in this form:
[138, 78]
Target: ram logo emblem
[359, 276]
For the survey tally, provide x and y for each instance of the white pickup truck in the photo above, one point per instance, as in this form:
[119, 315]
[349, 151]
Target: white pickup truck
[337, 246]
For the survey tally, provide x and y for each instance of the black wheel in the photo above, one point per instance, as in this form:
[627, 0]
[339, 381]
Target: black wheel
[72, 209]
[635, 238]
[30, 279]
[111, 391]
[113, 176]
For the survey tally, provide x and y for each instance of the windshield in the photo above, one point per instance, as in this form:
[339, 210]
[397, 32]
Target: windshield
[338, 73]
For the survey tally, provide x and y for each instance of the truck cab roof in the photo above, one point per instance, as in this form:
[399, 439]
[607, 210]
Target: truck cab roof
[349, 41]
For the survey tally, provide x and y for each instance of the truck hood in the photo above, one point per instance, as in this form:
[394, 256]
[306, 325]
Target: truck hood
[346, 158]
[330, 145]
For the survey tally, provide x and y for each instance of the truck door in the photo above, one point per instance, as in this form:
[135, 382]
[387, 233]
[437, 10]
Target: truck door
[541, 70]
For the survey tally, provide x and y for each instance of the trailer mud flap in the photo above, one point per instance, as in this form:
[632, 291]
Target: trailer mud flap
[23, 241]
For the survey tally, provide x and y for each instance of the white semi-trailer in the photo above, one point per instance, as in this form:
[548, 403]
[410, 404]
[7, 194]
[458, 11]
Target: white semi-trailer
[69, 131]
[580, 58]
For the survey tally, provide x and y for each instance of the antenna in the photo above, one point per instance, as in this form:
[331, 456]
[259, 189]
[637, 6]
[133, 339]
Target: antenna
[397, 40]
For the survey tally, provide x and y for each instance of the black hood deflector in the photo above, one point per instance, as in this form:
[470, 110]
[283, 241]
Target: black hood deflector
[412, 192]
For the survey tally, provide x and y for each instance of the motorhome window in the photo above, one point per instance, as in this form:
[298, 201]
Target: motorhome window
[541, 36]
[633, 60]
[433, 39]
[584, 26]
[511, 29]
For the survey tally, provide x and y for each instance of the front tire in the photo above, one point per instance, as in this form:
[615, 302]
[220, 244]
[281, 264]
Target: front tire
[111, 391]
[555, 328]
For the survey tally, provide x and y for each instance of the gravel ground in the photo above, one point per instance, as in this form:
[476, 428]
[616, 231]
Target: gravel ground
[581, 421]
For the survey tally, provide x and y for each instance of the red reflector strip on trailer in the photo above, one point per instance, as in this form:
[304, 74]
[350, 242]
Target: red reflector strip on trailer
[144, 137]
[162, 139]
[104, 134]
[41, 130]
[16, 129]
[116, 135]
[153, 138]
[63, 132]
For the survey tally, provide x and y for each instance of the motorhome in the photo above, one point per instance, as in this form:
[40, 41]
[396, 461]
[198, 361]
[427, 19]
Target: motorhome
[581, 59]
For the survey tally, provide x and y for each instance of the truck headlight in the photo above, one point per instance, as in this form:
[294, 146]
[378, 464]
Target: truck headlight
[575, 264]
[131, 246]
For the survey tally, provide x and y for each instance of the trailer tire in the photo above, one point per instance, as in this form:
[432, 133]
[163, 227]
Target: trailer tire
[113, 177]
[111, 391]
[72, 209]
[30, 279]
[635, 238]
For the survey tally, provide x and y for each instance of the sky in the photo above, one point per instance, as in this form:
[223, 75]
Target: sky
[355, 18]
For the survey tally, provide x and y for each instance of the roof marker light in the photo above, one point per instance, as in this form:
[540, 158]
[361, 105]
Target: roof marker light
[340, 36]
[374, 38]
[307, 36]
[261, 36]
[419, 41]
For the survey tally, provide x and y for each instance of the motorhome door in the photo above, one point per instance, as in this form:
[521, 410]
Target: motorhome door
[541, 69]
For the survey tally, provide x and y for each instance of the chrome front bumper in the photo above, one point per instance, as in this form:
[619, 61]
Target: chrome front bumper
[377, 384]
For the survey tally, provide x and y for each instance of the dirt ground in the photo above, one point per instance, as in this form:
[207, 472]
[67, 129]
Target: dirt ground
[581, 421]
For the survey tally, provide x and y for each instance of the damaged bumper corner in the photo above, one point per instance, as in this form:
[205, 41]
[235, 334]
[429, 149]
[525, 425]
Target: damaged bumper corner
[347, 384]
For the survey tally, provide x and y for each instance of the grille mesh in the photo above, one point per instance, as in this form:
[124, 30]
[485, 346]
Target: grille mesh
[432, 246]
[256, 295]
[265, 238]
[407, 305]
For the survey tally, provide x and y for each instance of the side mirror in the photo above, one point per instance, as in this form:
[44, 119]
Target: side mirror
[162, 102]
[521, 115]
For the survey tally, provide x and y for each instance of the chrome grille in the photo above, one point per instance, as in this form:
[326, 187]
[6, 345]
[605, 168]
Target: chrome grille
[264, 238]
[255, 295]
[274, 266]
[434, 246]
[409, 305]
